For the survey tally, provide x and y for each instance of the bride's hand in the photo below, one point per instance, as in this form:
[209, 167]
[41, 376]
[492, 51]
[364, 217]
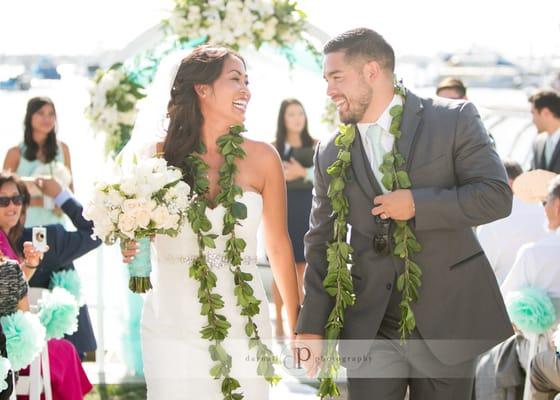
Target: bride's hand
[129, 249]
[308, 350]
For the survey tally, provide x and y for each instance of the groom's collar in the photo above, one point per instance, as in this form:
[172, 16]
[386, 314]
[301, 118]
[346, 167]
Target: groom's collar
[384, 120]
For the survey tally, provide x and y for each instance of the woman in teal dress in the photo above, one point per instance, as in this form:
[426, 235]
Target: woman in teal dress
[42, 153]
[295, 146]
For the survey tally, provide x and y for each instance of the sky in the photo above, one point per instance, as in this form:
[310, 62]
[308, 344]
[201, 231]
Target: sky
[515, 29]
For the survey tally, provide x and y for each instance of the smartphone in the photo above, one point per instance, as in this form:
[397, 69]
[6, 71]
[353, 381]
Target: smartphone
[39, 238]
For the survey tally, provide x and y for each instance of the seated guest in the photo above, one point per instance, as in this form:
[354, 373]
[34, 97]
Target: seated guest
[501, 239]
[64, 247]
[545, 376]
[5, 394]
[68, 379]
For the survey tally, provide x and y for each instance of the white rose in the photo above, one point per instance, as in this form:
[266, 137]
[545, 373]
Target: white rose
[270, 29]
[127, 118]
[111, 79]
[128, 186]
[129, 97]
[158, 181]
[103, 232]
[110, 118]
[182, 188]
[127, 224]
[160, 216]
[115, 198]
[142, 216]
[182, 202]
[130, 206]
[170, 194]
[99, 100]
[216, 3]
[145, 190]
[178, 23]
[171, 221]
[103, 227]
[153, 164]
[150, 205]
[194, 12]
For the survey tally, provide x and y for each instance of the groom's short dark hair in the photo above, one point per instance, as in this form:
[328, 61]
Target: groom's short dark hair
[366, 43]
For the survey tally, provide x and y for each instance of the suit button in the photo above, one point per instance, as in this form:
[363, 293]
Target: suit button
[389, 286]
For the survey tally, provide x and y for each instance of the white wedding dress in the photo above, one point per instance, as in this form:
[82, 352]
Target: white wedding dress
[176, 358]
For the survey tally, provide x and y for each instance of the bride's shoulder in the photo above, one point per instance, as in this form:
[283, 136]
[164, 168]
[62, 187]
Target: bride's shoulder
[261, 151]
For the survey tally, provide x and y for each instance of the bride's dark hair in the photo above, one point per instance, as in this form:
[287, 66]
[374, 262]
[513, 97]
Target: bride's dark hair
[203, 66]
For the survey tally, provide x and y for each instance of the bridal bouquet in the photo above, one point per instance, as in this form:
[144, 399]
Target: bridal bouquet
[149, 199]
[112, 108]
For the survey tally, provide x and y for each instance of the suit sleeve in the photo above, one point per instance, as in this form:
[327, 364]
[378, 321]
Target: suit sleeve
[70, 245]
[317, 302]
[481, 194]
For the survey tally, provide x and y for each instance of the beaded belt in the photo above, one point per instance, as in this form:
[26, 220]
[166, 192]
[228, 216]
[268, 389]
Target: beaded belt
[216, 260]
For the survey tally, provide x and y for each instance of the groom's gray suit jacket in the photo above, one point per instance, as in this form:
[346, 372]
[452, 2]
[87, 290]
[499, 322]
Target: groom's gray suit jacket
[458, 182]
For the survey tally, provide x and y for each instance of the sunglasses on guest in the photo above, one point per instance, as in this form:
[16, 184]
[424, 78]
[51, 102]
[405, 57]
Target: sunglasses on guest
[5, 200]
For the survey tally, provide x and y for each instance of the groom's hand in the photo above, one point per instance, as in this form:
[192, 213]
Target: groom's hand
[307, 351]
[397, 205]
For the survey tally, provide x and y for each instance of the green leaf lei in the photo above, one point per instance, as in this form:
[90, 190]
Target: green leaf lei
[338, 281]
[217, 327]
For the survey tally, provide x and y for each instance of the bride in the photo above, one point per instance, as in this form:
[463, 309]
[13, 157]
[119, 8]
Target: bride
[209, 95]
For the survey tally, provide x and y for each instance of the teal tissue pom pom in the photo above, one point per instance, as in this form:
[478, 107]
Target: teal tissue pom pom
[531, 310]
[69, 280]
[25, 338]
[5, 367]
[58, 313]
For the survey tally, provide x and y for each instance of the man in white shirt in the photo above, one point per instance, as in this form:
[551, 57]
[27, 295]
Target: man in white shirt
[545, 107]
[502, 239]
[538, 264]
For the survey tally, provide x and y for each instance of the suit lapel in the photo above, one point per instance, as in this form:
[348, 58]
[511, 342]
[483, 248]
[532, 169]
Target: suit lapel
[361, 168]
[540, 161]
[412, 117]
[555, 155]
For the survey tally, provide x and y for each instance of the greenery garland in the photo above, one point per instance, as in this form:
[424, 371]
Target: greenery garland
[338, 281]
[217, 328]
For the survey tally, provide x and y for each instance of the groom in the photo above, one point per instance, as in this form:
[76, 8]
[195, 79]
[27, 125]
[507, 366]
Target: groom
[458, 182]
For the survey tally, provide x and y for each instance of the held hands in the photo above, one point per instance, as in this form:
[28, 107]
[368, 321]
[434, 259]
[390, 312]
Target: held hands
[307, 351]
[293, 170]
[397, 205]
[129, 249]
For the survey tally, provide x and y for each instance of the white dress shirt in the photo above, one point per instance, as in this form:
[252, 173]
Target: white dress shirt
[384, 121]
[537, 265]
[502, 239]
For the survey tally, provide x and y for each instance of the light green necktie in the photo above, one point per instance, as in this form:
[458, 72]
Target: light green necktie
[373, 134]
[548, 150]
